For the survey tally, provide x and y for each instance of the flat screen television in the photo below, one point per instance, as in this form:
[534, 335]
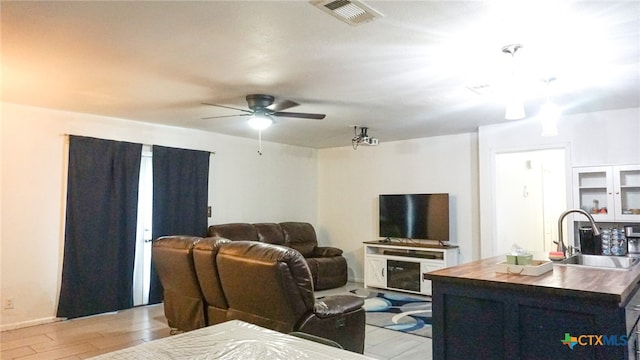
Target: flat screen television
[415, 216]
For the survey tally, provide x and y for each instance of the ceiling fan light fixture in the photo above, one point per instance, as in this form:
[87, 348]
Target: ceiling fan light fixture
[260, 121]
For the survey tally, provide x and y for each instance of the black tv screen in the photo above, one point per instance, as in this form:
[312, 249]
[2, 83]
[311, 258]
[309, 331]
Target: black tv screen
[415, 216]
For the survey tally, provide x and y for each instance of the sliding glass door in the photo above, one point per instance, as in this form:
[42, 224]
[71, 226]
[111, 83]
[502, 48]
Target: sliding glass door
[142, 267]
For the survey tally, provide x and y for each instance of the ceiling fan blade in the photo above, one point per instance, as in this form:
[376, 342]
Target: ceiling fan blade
[300, 115]
[228, 107]
[285, 104]
[224, 116]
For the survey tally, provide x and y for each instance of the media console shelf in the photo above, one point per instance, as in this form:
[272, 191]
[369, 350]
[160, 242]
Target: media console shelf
[400, 266]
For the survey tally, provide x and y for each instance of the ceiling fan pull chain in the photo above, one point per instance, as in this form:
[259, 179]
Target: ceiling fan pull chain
[260, 142]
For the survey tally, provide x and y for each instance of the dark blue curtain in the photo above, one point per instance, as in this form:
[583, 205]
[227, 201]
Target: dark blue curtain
[180, 197]
[100, 229]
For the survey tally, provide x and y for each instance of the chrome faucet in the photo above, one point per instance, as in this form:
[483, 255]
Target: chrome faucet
[560, 242]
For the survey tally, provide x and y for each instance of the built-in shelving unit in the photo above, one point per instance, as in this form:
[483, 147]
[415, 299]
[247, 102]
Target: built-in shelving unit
[401, 266]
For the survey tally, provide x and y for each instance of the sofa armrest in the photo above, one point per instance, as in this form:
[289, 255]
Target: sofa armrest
[334, 305]
[326, 251]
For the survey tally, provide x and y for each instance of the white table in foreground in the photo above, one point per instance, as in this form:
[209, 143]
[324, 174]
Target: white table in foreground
[231, 340]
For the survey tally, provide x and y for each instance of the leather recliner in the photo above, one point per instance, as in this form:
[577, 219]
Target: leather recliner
[204, 257]
[271, 286]
[183, 300]
[328, 266]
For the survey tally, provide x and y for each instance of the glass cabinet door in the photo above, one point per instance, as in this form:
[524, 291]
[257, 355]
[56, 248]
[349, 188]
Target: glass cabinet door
[608, 193]
[593, 192]
[627, 192]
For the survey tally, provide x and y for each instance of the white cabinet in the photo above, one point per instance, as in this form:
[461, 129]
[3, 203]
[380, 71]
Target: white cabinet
[425, 267]
[608, 193]
[401, 266]
[375, 272]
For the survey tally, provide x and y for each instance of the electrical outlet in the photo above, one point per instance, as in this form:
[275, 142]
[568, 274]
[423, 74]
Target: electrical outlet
[8, 303]
[209, 211]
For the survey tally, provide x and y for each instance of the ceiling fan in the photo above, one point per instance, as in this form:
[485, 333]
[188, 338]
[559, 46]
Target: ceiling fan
[263, 107]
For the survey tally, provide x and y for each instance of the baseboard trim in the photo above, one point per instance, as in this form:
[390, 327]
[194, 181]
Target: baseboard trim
[28, 323]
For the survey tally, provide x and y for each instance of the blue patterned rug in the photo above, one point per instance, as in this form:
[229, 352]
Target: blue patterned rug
[398, 312]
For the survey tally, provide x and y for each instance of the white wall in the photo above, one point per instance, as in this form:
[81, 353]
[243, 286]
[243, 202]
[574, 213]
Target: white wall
[599, 138]
[279, 185]
[351, 180]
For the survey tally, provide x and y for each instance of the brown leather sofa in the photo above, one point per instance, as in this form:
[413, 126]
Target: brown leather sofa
[328, 266]
[212, 280]
[271, 286]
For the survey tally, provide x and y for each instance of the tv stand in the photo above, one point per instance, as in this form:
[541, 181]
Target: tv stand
[401, 266]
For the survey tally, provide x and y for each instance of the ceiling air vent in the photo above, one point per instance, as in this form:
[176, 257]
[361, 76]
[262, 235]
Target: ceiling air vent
[351, 12]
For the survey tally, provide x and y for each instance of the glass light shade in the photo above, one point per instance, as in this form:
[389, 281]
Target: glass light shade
[549, 118]
[260, 122]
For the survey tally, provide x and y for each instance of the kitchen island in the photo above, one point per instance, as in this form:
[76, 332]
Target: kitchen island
[479, 313]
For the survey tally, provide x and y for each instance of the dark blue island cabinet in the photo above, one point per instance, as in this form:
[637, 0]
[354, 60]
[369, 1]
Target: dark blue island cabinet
[567, 313]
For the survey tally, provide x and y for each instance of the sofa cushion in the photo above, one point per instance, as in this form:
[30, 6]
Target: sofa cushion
[270, 233]
[328, 272]
[234, 231]
[326, 251]
[300, 236]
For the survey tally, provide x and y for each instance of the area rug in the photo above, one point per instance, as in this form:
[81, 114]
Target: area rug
[398, 312]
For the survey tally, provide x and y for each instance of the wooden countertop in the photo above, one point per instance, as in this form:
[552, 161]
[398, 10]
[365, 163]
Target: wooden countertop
[587, 283]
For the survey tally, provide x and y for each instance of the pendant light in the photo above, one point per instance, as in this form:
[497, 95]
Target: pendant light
[514, 102]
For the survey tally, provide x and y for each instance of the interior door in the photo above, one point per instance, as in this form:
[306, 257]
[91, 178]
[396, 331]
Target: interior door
[530, 190]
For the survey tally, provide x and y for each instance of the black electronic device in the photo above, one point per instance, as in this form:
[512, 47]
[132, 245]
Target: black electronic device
[414, 216]
[413, 254]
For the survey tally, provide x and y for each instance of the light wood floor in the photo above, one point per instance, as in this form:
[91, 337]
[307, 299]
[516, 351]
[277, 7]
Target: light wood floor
[85, 337]
[90, 336]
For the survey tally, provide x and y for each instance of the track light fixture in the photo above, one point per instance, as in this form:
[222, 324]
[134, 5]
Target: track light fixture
[362, 138]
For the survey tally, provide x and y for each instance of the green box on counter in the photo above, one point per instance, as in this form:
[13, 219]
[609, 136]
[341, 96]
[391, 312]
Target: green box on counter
[519, 259]
[525, 259]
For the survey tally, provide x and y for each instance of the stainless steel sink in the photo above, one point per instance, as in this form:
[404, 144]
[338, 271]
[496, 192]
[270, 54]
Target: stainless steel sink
[600, 262]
